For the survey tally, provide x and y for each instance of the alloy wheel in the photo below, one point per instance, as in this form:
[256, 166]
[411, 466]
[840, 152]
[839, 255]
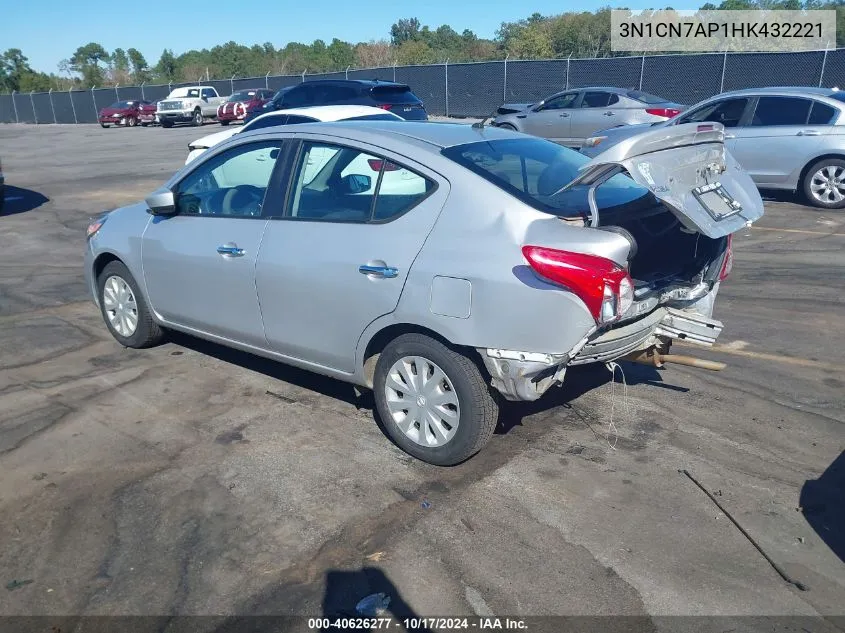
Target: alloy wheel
[120, 306]
[828, 184]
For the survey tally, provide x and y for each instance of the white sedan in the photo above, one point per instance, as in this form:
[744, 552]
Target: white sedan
[289, 117]
[394, 179]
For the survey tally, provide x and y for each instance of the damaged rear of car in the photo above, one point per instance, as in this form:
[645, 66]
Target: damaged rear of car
[672, 198]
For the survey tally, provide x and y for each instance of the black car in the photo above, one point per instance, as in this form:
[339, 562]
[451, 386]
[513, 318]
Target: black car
[396, 98]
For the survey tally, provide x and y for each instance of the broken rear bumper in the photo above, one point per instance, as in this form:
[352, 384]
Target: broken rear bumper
[527, 376]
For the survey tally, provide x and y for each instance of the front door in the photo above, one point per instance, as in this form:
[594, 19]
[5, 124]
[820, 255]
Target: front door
[339, 257]
[593, 114]
[552, 119]
[199, 264]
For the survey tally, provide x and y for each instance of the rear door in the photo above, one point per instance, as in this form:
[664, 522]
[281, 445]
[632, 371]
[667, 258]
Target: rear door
[552, 120]
[339, 257]
[595, 112]
[783, 134]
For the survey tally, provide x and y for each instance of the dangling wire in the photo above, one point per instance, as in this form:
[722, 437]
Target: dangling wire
[612, 366]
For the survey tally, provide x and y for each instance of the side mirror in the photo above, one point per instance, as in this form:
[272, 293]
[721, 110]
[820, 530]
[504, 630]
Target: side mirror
[163, 203]
[538, 106]
[356, 183]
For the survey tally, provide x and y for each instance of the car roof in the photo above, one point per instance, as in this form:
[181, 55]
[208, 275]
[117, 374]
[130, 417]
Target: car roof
[785, 90]
[425, 135]
[330, 112]
[359, 82]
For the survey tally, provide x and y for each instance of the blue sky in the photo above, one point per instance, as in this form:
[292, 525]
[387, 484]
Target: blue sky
[51, 30]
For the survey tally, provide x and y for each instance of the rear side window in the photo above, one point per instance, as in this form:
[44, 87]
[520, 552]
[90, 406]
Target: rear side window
[268, 121]
[595, 99]
[821, 114]
[645, 97]
[781, 111]
[343, 184]
[207, 93]
[328, 94]
[394, 94]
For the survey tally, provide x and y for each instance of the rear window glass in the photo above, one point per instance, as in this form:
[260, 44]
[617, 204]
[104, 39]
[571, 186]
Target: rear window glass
[375, 117]
[394, 94]
[243, 95]
[267, 121]
[534, 170]
[645, 97]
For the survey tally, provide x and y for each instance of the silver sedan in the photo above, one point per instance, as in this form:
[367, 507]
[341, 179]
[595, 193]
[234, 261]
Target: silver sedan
[786, 138]
[443, 266]
[571, 116]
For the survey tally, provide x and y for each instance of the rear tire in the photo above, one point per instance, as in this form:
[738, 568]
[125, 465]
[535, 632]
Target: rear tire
[824, 184]
[104, 124]
[224, 123]
[450, 415]
[120, 298]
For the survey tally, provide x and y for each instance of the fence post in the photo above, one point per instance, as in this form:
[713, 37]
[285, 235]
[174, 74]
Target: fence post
[303, 76]
[143, 97]
[505, 82]
[724, 63]
[394, 71]
[567, 71]
[231, 84]
[15, 106]
[169, 89]
[446, 68]
[821, 75]
[94, 101]
[32, 101]
[72, 107]
[52, 107]
[116, 93]
[267, 80]
[347, 71]
[642, 70]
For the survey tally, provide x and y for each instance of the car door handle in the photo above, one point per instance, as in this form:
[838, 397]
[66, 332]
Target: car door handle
[563, 114]
[382, 272]
[730, 135]
[230, 250]
[808, 133]
[609, 114]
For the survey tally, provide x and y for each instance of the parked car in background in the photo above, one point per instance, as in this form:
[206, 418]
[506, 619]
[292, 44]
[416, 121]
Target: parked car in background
[785, 138]
[387, 95]
[290, 117]
[147, 113]
[128, 113]
[239, 103]
[189, 105]
[571, 116]
[504, 262]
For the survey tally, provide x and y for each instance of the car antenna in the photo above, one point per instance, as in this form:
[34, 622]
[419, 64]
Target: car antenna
[479, 125]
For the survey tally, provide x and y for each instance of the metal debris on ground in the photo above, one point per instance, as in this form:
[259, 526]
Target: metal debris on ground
[426, 504]
[373, 605]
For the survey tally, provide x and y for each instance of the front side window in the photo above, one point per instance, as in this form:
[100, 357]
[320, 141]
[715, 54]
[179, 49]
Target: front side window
[208, 93]
[561, 102]
[781, 111]
[344, 184]
[299, 96]
[728, 112]
[230, 184]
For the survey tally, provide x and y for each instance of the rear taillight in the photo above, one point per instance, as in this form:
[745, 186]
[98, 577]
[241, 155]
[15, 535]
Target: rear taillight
[385, 106]
[604, 286]
[667, 112]
[728, 260]
[376, 164]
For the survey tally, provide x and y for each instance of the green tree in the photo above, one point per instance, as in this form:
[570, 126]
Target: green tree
[86, 61]
[166, 67]
[140, 68]
[404, 30]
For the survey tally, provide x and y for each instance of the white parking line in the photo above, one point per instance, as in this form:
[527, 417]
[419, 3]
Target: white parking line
[768, 228]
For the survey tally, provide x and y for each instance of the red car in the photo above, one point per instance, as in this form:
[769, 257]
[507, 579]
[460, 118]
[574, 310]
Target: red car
[237, 105]
[128, 113]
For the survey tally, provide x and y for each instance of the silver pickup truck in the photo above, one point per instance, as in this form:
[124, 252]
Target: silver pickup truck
[192, 105]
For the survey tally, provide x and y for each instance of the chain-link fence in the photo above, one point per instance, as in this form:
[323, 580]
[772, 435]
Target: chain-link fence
[476, 89]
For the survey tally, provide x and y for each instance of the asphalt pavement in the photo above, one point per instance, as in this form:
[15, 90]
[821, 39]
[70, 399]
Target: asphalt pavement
[190, 479]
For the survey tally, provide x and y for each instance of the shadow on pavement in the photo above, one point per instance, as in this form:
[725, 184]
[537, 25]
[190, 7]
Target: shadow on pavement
[17, 200]
[345, 589]
[823, 505]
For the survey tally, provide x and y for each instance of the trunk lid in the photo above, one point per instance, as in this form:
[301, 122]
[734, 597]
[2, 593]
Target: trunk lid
[688, 169]
[510, 108]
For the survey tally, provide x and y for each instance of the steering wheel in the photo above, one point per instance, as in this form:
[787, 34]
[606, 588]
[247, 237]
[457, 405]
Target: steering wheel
[243, 200]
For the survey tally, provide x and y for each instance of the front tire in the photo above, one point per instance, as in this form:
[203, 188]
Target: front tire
[224, 123]
[124, 308]
[167, 124]
[104, 125]
[434, 401]
[131, 121]
[824, 184]
[197, 120]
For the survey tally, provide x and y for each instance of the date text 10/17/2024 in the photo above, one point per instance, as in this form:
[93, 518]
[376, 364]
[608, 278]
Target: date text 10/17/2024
[419, 624]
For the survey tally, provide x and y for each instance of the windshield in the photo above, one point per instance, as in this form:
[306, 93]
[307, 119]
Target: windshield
[122, 105]
[533, 170]
[243, 95]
